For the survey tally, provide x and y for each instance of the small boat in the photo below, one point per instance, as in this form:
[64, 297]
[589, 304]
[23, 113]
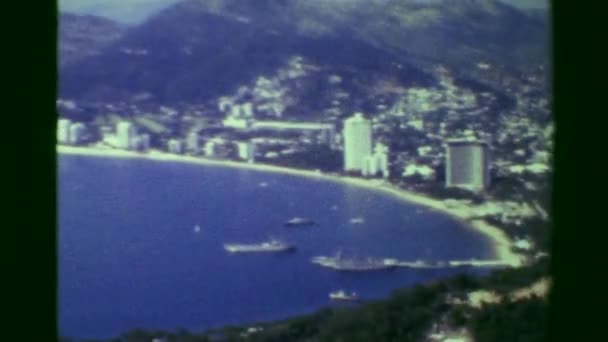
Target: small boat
[197, 229]
[357, 220]
[263, 184]
[299, 221]
[341, 295]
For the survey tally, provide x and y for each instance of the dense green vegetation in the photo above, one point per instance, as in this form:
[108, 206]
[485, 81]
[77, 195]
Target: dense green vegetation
[406, 316]
[511, 321]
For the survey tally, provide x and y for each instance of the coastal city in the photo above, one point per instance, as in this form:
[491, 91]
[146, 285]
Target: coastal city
[304, 170]
[486, 171]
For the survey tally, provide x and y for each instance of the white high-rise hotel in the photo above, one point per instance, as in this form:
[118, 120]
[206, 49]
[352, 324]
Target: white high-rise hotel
[467, 164]
[357, 135]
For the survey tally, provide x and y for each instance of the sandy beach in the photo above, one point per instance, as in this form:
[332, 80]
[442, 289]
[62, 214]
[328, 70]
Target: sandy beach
[501, 241]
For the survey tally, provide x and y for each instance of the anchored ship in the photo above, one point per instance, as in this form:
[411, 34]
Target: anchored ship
[341, 295]
[272, 246]
[350, 264]
[299, 221]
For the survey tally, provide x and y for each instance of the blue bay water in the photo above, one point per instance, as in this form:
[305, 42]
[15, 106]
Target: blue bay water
[129, 256]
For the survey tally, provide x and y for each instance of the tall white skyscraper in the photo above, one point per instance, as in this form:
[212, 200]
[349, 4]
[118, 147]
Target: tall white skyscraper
[357, 142]
[63, 131]
[125, 134]
[467, 164]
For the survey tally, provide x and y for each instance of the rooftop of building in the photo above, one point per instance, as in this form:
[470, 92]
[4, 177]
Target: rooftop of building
[357, 117]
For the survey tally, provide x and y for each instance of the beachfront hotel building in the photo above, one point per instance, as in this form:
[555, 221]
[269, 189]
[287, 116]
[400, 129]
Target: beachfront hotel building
[357, 135]
[467, 164]
[63, 131]
[125, 135]
[376, 163]
[77, 131]
[246, 150]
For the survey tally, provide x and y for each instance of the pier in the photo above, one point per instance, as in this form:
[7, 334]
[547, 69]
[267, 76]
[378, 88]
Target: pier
[453, 263]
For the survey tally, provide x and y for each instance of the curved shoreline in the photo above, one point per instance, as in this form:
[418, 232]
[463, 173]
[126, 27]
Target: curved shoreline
[502, 243]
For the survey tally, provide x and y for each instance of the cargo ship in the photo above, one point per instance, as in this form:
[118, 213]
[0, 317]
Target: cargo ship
[272, 246]
[357, 265]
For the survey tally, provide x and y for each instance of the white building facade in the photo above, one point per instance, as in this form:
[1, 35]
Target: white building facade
[63, 131]
[246, 151]
[467, 164]
[125, 135]
[357, 135]
[377, 163]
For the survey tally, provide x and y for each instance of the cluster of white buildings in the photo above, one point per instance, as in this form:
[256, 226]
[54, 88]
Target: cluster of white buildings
[508, 212]
[70, 133]
[358, 153]
[467, 160]
[241, 117]
[212, 148]
[127, 138]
